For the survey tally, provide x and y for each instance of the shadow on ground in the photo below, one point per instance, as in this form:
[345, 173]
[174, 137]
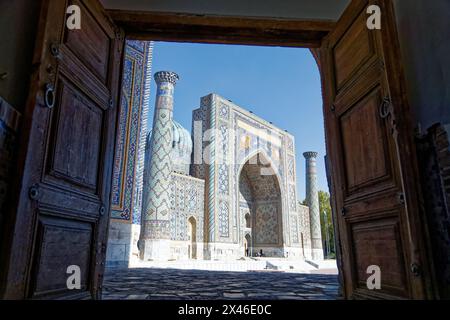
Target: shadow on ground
[175, 284]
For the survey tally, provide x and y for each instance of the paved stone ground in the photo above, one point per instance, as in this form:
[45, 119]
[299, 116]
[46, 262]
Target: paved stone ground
[171, 284]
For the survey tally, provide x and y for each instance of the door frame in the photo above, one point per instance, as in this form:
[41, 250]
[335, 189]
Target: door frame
[181, 27]
[192, 222]
[209, 28]
[242, 30]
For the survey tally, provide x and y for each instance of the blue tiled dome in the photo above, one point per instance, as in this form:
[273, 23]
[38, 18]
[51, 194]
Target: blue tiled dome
[181, 148]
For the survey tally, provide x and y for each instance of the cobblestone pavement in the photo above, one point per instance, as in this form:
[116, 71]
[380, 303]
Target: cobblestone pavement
[171, 284]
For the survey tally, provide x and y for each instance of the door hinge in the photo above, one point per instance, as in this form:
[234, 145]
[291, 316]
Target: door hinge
[416, 269]
[55, 51]
[401, 198]
[33, 192]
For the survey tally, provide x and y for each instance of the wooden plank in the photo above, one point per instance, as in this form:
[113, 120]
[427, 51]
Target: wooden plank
[179, 27]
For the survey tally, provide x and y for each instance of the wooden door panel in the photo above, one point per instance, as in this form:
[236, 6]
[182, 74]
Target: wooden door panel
[376, 237]
[91, 44]
[370, 188]
[78, 136]
[366, 147]
[373, 202]
[79, 73]
[68, 201]
[63, 210]
[378, 242]
[352, 51]
[57, 237]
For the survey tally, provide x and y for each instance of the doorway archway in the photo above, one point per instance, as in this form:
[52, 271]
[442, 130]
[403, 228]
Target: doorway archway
[192, 232]
[248, 222]
[248, 250]
[261, 205]
[356, 173]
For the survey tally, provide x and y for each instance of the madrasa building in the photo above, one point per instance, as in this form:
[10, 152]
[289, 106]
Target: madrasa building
[226, 190]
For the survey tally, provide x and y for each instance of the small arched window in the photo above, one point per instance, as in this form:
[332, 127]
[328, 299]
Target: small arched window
[248, 223]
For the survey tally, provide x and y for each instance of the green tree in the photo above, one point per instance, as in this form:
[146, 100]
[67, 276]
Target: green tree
[326, 222]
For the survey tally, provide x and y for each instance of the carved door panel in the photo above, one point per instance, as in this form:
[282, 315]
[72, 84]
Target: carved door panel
[372, 157]
[69, 130]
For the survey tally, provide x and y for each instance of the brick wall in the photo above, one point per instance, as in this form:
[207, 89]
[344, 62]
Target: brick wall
[443, 157]
[434, 157]
[9, 121]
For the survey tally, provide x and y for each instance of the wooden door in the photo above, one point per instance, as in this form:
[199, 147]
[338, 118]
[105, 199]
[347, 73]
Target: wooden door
[372, 157]
[66, 157]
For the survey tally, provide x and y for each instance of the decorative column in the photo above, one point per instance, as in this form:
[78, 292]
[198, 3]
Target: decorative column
[154, 243]
[312, 199]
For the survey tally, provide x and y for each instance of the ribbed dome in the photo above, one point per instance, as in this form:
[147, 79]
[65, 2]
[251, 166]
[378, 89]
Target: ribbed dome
[181, 148]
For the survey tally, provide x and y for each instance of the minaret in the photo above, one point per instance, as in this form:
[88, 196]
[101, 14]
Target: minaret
[155, 224]
[312, 199]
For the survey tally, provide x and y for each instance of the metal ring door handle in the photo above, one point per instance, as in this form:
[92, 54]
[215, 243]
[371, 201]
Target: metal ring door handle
[385, 108]
[49, 96]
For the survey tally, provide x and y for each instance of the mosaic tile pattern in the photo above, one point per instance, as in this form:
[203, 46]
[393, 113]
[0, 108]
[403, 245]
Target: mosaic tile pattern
[157, 178]
[267, 224]
[223, 179]
[266, 190]
[188, 195]
[156, 229]
[156, 205]
[290, 144]
[127, 175]
[312, 199]
[250, 135]
[292, 198]
[245, 191]
[224, 111]
[291, 168]
[294, 229]
[181, 149]
[199, 117]
[224, 213]
[136, 214]
[304, 225]
[212, 201]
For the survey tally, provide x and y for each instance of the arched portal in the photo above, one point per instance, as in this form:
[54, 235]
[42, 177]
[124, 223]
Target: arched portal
[260, 204]
[248, 222]
[248, 245]
[192, 225]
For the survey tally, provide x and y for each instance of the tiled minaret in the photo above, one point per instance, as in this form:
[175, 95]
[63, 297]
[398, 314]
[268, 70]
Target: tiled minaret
[155, 228]
[312, 199]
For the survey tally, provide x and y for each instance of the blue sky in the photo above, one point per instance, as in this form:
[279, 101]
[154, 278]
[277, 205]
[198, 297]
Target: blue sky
[281, 85]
